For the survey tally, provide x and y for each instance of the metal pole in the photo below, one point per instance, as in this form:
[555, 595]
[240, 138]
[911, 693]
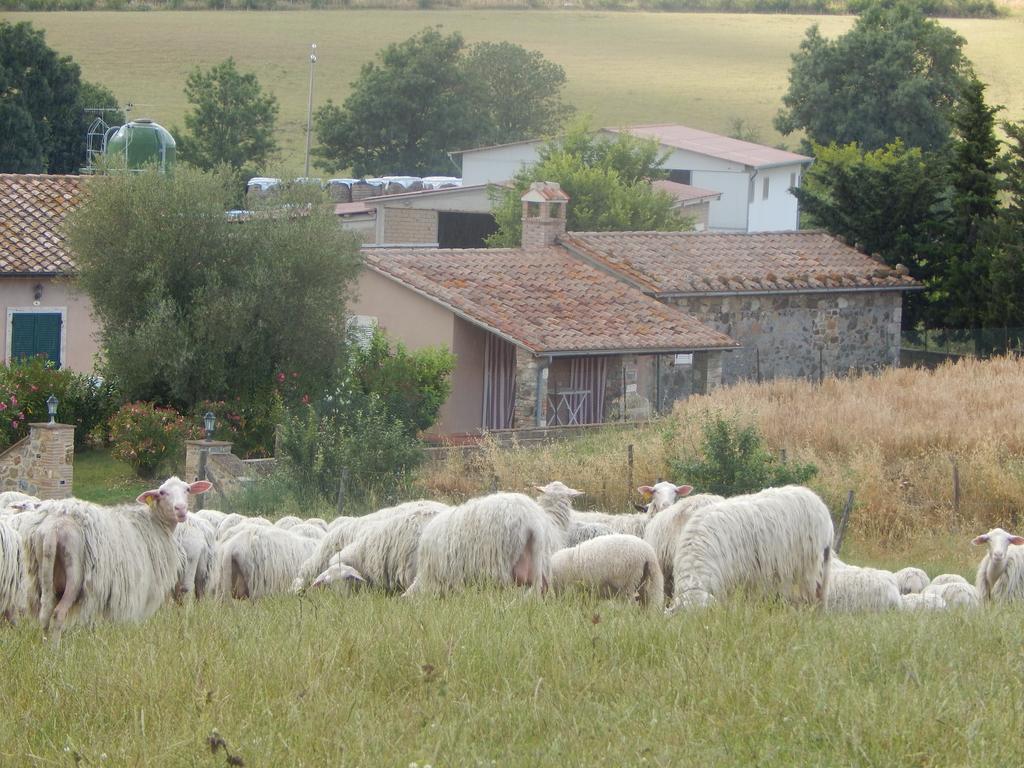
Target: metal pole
[309, 106]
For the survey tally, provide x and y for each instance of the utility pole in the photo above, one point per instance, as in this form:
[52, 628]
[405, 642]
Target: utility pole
[309, 105]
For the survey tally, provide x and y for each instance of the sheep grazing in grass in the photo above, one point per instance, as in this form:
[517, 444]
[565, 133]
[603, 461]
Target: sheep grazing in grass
[384, 554]
[339, 578]
[663, 494]
[777, 542]
[617, 566]
[918, 601]
[196, 538]
[12, 581]
[911, 580]
[256, 561]
[580, 532]
[853, 589]
[956, 594]
[342, 531]
[1000, 574]
[504, 539]
[663, 531]
[86, 562]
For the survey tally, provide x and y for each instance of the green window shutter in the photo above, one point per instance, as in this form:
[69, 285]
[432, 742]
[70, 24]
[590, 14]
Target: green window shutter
[35, 333]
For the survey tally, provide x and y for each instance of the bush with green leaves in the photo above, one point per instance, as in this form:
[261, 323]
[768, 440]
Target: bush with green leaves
[150, 438]
[85, 402]
[734, 460]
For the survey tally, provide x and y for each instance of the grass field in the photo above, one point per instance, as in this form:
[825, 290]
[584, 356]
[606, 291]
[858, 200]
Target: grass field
[698, 69]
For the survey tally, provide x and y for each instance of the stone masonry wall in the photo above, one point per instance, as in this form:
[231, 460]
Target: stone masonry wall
[409, 225]
[795, 335]
[42, 464]
[527, 396]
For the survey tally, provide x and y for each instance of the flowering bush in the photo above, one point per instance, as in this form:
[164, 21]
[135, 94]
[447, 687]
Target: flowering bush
[85, 401]
[149, 437]
[247, 424]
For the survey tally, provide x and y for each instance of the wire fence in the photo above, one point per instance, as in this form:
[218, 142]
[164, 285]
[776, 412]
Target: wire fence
[964, 342]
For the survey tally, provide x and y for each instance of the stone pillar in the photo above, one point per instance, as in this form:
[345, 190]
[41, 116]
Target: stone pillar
[707, 372]
[197, 453]
[531, 390]
[51, 460]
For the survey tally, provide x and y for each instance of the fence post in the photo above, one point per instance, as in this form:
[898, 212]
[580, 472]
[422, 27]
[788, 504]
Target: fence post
[494, 483]
[956, 486]
[757, 363]
[342, 482]
[837, 541]
[782, 455]
[629, 472]
[821, 365]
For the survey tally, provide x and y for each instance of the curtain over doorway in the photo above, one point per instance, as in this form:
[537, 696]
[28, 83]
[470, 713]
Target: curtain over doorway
[499, 383]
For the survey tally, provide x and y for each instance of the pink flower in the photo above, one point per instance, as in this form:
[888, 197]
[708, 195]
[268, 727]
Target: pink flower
[281, 376]
[33, 387]
[305, 399]
[21, 416]
[14, 400]
[14, 424]
[3, 406]
[295, 374]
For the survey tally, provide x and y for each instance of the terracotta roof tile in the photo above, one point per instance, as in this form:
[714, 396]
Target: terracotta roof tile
[684, 193]
[544, 300]
[706, 262]
[32, 208]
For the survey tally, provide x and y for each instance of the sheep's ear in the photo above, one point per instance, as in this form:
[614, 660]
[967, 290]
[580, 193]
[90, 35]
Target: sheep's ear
[147, 497]
[200, 486]
[646, 490]
[983, 539]
[355, 576]
[1017, 539]
[574, 492]
[540, 488]
[683, 490]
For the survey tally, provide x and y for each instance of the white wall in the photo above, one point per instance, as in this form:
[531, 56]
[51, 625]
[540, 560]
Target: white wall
[729, 212]
[498, 163]
[777, 212]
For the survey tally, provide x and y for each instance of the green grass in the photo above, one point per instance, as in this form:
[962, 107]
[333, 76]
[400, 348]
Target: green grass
[702, 70]
[502, 680]
[101, 479]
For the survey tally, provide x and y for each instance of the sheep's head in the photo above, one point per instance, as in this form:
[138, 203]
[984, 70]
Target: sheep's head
[170, 500]
[998, 542]
[663, 495]
[339, 577]
[558, 488]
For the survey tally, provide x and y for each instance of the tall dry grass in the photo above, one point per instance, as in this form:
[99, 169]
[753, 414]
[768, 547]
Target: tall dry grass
[893, 438]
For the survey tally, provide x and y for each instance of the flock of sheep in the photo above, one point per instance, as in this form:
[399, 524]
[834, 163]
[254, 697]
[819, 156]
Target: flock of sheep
[70, 561]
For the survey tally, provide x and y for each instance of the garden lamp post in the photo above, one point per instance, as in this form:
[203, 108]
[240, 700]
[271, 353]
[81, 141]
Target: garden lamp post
[51, 407]
[209, 423]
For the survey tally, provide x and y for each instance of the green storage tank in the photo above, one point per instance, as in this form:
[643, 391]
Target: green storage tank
[142, 142]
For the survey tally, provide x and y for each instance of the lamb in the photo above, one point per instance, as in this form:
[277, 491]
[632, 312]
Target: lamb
[911, 580]
[777, 542]
[384, 554]
[663, 531]
[344, 530]
[196, 537]
[662, 494]
[580, 532]
[617, 565]
[502, 539]
[919, 601]
[12, 581]
[86, 562]
[256, 561]
[853, 589]
[1000, 574]
[956, 594]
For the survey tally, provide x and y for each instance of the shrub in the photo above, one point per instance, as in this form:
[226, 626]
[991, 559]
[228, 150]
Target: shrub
[84, 401]
[734, 460]
[148, 437]
[248, 424]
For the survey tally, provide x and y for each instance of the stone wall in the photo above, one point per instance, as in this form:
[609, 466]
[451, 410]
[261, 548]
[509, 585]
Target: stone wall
[527, 396]
[408, 225]
[42, 464]
[200, 457]
[802, 335]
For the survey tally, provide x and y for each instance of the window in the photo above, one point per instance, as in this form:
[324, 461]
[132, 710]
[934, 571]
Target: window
[764, 193]
[362, 327]
[35, 334]
[680, 177]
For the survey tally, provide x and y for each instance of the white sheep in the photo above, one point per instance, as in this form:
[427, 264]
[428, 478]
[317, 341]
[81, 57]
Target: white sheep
[853, 589]
[384, 553]
[556, 500]
[309, 531]
[663, 531]
[911, 580]
[288, 521]
[503, 539]
[231, 521]
[7, 498]
[256, 561]
[580, 532]
[196, 538]
[777, 542]
[12, 578]
[948, 578]
[1000, 574]
[956, 594]
[920, 601]
[617, 565]
[86, 562]
[661, 495]
[339, 578]
[319, 522]
[213, 516]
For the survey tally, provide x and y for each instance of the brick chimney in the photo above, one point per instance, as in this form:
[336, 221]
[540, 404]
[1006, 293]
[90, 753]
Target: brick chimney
[543, 214]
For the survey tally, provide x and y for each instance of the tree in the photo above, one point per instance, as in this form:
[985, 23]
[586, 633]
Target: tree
[42, 104]
[195, 306]
[1006, 269]
[232, 120]
[405, 113]
[518, 92]
[896, 74]
[607, 179]
[884, 200]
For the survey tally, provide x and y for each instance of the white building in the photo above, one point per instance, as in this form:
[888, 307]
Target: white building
[754, 180]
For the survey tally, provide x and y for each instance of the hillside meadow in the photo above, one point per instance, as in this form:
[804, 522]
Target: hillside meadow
[703, 70]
